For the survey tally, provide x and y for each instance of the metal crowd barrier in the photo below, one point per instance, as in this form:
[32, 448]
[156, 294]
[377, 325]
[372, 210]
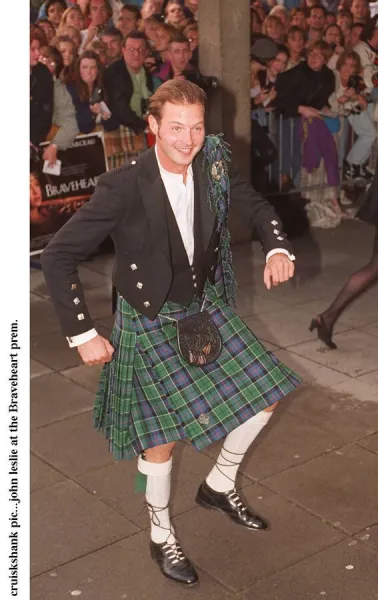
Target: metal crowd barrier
[282, 132]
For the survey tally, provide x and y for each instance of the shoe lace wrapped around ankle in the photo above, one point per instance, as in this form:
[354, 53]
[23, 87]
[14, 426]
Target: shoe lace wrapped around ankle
[171, 549]
[229, 463]
[235, 498]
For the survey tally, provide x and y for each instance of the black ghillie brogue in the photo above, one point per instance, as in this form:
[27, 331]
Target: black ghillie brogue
[173, 563]
[231, 505]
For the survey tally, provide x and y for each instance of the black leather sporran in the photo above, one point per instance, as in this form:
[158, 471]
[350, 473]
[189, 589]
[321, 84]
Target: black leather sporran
[198, 338]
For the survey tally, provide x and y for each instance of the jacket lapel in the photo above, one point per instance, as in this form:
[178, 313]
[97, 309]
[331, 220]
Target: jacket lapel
[207, 216]
[154, 197]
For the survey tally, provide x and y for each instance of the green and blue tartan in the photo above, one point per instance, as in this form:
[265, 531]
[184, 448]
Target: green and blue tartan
[148, 395]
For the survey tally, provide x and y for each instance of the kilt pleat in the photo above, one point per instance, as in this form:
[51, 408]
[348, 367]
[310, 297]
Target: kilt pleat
[148, 395]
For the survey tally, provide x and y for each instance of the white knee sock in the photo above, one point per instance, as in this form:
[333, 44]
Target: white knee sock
[158, 491]
[222, 476]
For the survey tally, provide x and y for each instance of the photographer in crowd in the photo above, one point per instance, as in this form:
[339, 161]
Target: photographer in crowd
[367, 50]
[99, 12]
[351, 100]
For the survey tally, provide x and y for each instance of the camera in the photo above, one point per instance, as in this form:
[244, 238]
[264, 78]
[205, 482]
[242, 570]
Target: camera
[96, 97]
[356, 83]
[269, 85]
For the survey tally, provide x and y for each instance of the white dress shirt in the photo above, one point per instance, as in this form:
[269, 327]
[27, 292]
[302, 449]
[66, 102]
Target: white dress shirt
[181, 199]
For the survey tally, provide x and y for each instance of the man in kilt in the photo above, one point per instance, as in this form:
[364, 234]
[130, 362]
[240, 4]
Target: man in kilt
[167, 376]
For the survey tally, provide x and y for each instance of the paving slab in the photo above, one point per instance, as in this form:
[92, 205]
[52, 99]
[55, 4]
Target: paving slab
[285, 442]
[335, 486]
[99, 301]
[339, 237]
[37, 369]
[270, 346]
[237, 557]
[52, 350]
[54, 397]
[310, 371]
[369, 378]
[287, 327]
[88, 377]
[357, 389]
[340, 414]
[115, 484]
[249, 303]
[42, 475]
[43, 317]
[68, 522]
[343, 572]
[372, 328]
[247, 271]
[369, 536]
[72, 445]
[356, 352]
[300, 290]
[37, 281]
[362, 312]
[123, 570]
[101, 263]
[370, 443]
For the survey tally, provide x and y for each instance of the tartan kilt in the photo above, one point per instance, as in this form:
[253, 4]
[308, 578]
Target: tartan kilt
[148, 395]
[123, 144]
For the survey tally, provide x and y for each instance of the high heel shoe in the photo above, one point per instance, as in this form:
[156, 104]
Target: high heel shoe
[324, 334]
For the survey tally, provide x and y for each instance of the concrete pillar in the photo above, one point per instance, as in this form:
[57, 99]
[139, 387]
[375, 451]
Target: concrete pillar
[224, 42]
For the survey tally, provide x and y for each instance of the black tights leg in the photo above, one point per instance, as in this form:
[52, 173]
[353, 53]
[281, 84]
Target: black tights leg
[357, 283]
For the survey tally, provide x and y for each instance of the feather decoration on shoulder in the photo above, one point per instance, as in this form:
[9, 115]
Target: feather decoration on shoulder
[216, 155]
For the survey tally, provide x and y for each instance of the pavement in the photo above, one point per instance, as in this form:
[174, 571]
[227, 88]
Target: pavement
[313, 472]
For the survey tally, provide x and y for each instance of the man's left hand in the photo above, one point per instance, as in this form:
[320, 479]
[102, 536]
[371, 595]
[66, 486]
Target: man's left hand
[278, 269]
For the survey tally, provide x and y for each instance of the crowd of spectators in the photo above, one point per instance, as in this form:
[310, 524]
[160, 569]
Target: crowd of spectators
[318, 84]
[94, 64]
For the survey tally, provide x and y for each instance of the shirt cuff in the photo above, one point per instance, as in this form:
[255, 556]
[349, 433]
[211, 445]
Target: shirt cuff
[77, 340]
[279, 251]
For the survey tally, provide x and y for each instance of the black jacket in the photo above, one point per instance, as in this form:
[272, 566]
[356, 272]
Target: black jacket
[301, 86]
[119, 89]
[41, 103]
[129, 205]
